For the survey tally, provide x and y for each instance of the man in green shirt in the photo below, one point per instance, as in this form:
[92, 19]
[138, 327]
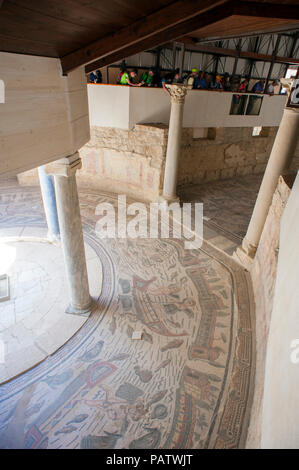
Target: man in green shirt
[147, 78]
[127, 77]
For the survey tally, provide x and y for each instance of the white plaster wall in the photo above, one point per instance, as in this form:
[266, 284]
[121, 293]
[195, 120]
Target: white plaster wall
[109, 106]
[280, 420]
[45, 115]
[211, 109]
[148, 105]
[123, 107]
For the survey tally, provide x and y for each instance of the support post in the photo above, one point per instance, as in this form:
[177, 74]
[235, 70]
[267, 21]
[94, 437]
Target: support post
[71, 233]
[49, 201]
[279, 163]
[177, 93]
[181, 59]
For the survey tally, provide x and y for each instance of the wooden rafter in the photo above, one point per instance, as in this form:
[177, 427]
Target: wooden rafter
[216, 14]
[160, 21]
[166, 25]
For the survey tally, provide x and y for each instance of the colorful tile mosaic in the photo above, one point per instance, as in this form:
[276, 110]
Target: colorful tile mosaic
[186, 384]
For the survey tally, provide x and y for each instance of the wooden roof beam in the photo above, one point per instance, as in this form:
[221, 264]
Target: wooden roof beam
[211, 16]
[165, 25]
[267, 10]
[159, 21]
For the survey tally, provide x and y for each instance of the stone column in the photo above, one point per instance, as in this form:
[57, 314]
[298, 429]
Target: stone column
[177, 93]
[49, 200]
[71, 232]
[279, 163]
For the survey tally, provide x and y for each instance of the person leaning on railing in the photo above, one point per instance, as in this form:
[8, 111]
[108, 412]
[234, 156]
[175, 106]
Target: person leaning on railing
[215, 83]
[128, 79]
[243, 86]
[270, 88]
[147, 78]
[259, 86]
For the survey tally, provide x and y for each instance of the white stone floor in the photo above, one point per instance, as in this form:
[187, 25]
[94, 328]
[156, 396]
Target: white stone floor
[33, 322]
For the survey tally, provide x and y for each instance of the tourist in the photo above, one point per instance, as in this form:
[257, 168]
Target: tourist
[271, 86]
[243, 86]
[99, 77]
[129, 79]
[177, 78]
[156, 78]
[163, 82]
[226, 84]
[147, 78]
[134, 77]
[208, 78]
[93, 77]
[259, 86]
[121, 72]
[215, 83]
[191, 79]
[202, 81]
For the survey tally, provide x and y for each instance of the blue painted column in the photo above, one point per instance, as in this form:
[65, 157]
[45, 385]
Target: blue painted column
[49, 200]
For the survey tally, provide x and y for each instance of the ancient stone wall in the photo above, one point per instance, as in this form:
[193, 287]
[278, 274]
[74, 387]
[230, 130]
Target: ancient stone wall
[132, 161]
[128, 161]
[224, 153]
[263, 273]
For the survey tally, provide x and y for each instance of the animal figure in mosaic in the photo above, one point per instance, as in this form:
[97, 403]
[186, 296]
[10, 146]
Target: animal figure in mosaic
[92, 353]
[58, 379]
[176, 343]
[144, 375]
[150, 440]
[65, 430]
[78, 419]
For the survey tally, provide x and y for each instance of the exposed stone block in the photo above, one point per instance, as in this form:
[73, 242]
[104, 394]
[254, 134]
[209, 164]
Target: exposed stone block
[227, 173]
[244, 170]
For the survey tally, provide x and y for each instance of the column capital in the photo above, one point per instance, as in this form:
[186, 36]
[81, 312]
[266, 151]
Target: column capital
[177, 93]
[65, 166]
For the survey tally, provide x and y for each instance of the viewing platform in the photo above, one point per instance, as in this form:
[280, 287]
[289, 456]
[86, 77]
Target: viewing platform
[123, 107]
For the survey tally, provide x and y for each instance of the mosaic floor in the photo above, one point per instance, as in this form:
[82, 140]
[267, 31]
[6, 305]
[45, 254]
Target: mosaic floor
[186, 384]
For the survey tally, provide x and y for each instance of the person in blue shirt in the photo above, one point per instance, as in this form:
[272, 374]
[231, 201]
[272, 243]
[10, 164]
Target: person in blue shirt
[201, 81]
[259, 86]
[216, 83]
[93, 77]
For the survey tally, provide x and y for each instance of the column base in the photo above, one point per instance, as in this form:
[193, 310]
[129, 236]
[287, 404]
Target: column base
[167, 200]
[82, 312]
[245, 254]
[55, 239]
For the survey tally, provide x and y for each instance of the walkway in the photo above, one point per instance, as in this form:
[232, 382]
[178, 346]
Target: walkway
[228, 206]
